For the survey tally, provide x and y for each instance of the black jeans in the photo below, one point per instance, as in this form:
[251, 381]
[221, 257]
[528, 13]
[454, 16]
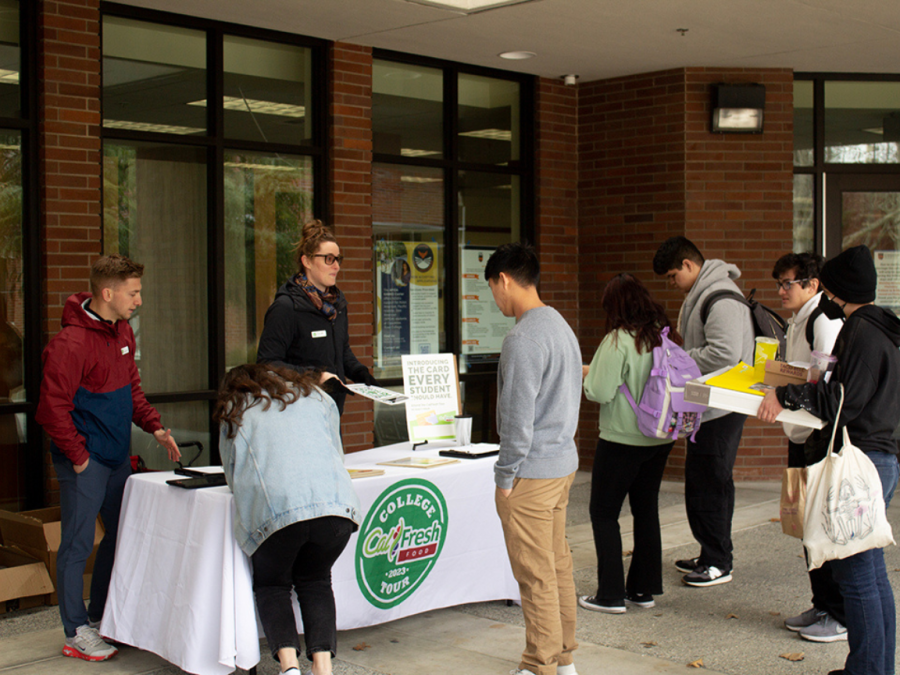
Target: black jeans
[826, 594]
[635, 471]
[709, 487]
[300, 556]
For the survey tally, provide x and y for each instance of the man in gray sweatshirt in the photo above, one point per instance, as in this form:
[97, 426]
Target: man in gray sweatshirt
[725, 338]
[539, 395]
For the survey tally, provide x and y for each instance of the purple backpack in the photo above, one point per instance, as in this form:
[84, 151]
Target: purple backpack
[663, 412]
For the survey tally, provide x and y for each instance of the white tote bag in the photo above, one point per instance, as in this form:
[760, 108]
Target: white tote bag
[845, 512]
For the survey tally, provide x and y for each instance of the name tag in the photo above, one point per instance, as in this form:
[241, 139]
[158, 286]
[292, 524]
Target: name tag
[124, 350]
[319, 333]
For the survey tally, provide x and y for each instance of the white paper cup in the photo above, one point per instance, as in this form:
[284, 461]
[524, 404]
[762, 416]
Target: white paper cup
[463, 429]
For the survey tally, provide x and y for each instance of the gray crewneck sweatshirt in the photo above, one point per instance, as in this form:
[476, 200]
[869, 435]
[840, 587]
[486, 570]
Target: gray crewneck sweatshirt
[539, 395]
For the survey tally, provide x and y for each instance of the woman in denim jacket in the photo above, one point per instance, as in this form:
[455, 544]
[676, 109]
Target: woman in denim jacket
[295, 507]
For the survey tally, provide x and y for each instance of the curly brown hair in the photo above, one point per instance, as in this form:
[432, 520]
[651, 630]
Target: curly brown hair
[629, 307]
[259, 384]
[315, 233]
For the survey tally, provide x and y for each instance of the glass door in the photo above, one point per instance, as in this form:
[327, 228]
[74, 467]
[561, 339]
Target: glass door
[865, 209]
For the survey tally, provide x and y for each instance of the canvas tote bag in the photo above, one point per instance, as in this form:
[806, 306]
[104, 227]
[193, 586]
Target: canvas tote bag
[845, 512]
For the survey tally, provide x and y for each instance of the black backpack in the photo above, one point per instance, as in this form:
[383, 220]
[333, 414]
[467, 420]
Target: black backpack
[766, 322]
[810, 334]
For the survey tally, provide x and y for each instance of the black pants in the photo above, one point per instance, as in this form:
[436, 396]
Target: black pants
[300, 556]
[826, 594]
[636, 471]
[709, 487]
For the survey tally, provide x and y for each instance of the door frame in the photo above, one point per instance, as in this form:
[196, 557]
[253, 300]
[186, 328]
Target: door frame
[836, 184]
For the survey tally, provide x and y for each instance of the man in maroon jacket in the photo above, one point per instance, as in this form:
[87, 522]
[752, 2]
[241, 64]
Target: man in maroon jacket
[90, 395]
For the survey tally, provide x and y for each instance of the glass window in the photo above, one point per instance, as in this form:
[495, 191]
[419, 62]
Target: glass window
[12, 296]
[189, 421]
[408, 229]
[268, 198]
[804, 154]
[488, 217]
[13, 447]
[407, 110]
[804, 236]
[267, 91]
[10, 57]
[862, 122]
[154, 199]
[154, 77]
[489, 125]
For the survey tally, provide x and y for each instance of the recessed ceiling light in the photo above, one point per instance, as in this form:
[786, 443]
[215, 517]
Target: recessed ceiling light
[517, 56]
[490, 134]
[147, 126]
[468, 6]
[263, 107]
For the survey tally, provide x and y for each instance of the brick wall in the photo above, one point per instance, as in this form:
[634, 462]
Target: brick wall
[69, 141]
[650, 169]
[350, 154]
[69, 160]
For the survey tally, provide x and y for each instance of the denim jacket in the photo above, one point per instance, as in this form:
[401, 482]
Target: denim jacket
[286, 466]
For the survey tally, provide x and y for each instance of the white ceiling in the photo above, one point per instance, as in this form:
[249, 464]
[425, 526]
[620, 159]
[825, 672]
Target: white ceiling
[596, 39]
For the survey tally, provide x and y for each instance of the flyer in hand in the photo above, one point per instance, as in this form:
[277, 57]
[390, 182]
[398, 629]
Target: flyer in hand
[379, 394]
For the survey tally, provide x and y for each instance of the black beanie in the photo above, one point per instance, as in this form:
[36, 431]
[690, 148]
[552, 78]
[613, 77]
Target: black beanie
[851, 276]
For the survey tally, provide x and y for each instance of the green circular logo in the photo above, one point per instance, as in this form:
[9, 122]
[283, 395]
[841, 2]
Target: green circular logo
[400, 541]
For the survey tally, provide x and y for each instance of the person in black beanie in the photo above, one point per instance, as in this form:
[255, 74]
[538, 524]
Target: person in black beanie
[868, 367]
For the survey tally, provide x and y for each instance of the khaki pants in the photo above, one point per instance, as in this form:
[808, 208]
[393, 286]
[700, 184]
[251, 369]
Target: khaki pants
[534, 527]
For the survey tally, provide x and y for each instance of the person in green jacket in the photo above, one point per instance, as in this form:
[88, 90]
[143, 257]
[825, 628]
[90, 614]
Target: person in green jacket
[626, 462]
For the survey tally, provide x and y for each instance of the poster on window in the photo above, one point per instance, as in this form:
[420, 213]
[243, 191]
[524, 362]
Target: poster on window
[406, 288]
[887, 266]
[432, 384]
[483, 325]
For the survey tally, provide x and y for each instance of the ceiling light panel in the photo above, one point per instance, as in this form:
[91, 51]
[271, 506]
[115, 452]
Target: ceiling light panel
[468, 6]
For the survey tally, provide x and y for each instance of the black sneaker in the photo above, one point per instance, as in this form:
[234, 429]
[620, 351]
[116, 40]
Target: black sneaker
[688, 565]
[707, 576]
[596, 604]
[644, 600]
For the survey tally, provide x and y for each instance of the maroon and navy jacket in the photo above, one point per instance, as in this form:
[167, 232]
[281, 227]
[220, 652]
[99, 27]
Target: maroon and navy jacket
[91, 391]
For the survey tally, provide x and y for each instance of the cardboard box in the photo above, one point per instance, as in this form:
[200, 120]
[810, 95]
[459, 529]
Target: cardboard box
[24, 581]
[697, 391]
[779, 374]
[38, 533]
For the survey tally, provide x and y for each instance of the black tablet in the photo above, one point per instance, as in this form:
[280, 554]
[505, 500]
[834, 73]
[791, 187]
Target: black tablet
[206, 480]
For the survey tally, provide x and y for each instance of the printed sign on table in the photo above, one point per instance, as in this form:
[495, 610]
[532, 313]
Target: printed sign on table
[432, 384]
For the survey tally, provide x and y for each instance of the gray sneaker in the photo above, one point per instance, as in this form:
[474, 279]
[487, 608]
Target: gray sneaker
[826, 629]
[801, 621]
[88, 645]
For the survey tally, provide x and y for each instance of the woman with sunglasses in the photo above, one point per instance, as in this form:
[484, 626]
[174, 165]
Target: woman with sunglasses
[306, 327]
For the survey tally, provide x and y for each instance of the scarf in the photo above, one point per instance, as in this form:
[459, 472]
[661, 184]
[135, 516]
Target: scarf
[323, 300]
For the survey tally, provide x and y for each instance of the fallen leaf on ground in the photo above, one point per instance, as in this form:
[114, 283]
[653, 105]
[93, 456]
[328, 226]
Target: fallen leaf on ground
[794, 656]
[775, 613]
[696, 664]
[627, 553]
[497, 625]
[362, 646]
[732, 616]
[774, 520]
[649, 644]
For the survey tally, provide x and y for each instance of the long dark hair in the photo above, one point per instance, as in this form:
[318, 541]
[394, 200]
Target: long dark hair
[258, 384]
[629, 307]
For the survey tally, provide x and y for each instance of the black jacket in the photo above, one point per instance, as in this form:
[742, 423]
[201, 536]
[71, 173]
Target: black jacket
[868, 365]
[297, 335]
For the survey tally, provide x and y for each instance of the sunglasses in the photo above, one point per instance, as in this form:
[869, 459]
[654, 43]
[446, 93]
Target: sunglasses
[330, 258]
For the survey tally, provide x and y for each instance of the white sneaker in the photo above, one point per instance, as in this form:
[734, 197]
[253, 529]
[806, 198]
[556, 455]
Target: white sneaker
[88, 645]
[520, 671]
[566, 670]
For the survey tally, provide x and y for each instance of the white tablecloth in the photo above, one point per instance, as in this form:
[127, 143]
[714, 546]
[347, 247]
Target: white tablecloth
[182, 588]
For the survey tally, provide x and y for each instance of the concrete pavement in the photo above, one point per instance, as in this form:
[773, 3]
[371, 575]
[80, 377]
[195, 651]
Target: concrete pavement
[734, 628]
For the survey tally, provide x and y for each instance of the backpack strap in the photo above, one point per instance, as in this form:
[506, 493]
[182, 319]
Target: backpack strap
[714, 297]
[810, 330]
[625, 390]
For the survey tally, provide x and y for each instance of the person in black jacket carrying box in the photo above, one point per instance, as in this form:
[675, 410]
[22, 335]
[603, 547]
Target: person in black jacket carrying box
[868, 367]
[306, 327]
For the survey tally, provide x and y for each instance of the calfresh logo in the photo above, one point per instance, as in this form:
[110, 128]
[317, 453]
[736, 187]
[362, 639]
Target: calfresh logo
[400, 541]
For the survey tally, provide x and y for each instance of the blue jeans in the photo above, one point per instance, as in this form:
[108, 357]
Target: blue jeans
[868, 598]
[96, 490]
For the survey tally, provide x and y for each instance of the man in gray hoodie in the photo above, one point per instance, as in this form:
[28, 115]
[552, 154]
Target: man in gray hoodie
[539, 394]
[724, 339]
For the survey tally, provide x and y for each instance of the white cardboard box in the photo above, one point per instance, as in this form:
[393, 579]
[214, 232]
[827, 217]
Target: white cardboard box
[697, 391]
